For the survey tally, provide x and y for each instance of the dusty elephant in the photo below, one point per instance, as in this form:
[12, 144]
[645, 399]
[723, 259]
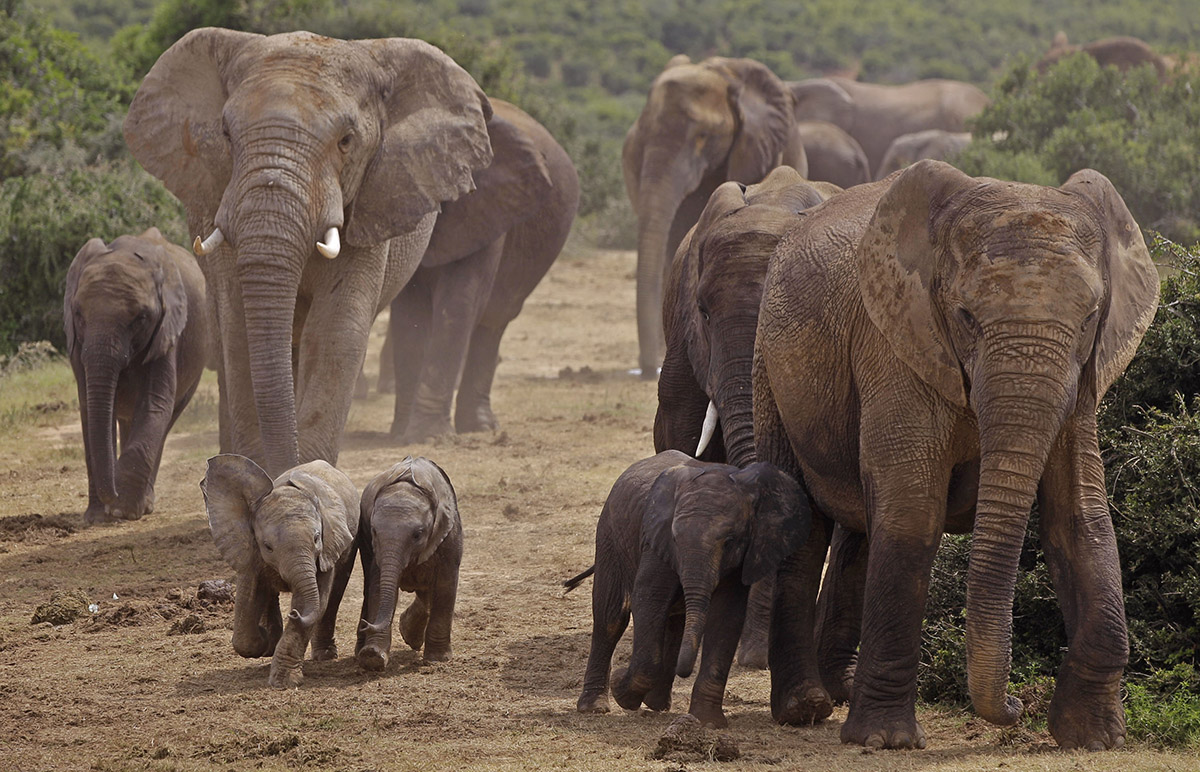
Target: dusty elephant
[410, 538]
[678, 544]
[287, 150]
[876, 114]
[833, 155]
[134, 316]
[934, 144]
[703, 124]
[930, 354]
[488, 251]
[291, 534]
[1122, 52]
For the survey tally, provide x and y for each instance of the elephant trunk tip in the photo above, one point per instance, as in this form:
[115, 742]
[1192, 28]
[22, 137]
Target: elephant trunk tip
[686, 661]
[305, 620]
[1007, 715]
[370, 627]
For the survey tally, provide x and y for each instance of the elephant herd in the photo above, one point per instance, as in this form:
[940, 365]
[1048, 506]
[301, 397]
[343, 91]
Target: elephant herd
[856, 357]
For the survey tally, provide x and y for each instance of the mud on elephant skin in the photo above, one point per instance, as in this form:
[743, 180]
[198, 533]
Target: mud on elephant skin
[134, 316]
[291, 534]
[313, 169]
[703, 124]
[930, 355]
[488, 252]
[679, 542]
[411, 539]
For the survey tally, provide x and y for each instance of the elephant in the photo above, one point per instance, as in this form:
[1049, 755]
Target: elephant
[678, 544]
[295, 534]
[1122, 52]
[833, 155]
[316, 168]
[876, 114]
[137, 337]
[930, 354]
[935, 144]
[488, 251]
[410, 538]
[702, 124]
[710, 313]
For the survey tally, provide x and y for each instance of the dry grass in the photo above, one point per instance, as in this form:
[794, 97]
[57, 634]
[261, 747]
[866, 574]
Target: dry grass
[118, 692]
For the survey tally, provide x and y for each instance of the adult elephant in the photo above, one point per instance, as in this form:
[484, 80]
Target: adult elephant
[934, 144]
[315, 169]
[710, 314]
[703, 124]
[930, 354]
[1123, 52]
[876, 114]
[488, 251]
[833, 155]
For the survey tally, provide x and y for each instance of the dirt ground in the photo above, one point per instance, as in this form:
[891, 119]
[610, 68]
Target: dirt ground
[149, 680]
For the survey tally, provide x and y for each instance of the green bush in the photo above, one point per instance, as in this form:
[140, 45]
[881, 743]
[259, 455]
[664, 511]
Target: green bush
[45, 218]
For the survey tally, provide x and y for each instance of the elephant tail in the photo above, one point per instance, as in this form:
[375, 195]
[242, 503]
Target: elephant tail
[575, 581]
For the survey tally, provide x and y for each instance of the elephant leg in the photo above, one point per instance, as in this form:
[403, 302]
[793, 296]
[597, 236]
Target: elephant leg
[459, 296]
[95, 509]
[473, 406]
[143, 439]
[726, 615]
[272, 622]
[752, 651]
[1081, 553]
[656, 590]
[659, 696]
[408, 331]
[839, 612]
[441, 614]
[414, 621]
[250, 601]
[370, 603]
[610, 617]
[386, 384]
[323, 644]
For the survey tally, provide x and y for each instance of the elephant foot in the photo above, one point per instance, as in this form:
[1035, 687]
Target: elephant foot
[477, 419]
[627, 690]
[839, 683]
[285, 676]
[256, 644]
[372, 658]
[806, 705]
[710, 715]
[883, 728]
[98, 514]
[324, 653]
[437, 654]
[592, 702]
[659, 698]
[752, 654]
[1086, 714]
[412, 625]
[420, 430]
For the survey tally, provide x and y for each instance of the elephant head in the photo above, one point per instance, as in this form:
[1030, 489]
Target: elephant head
[1020, 304]
[125, 304]
[823, 99]
[703, 124]
[286, 147]
[706, 522]
[406, 514]
[297, 527]
[710, 313]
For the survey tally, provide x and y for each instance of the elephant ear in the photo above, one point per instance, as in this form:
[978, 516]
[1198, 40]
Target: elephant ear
[657, 533]
[435, 483]
[786, 189]
[896, 264]
[434, 137]
[780, 523]
[506, 193]
[232, 486]
[764, 107]
[175, 127]
[88, 252]
[1129, 272]
[335, 498]
[631, 161]
[172, 300]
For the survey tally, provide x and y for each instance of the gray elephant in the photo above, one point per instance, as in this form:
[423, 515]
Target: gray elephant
[931, 351]
[934, 144]
[410, 537]
[291, 534]
[314, 169]
[833, 155]
[678, 544]
[703, 124]
[1122, 52]
[134, 316]
[876, 114]
[488, 251]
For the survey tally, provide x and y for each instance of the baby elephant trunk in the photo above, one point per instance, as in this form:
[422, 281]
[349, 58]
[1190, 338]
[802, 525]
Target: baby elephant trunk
[696, 597]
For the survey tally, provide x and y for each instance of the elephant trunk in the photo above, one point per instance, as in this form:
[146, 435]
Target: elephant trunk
[733, 393]
[698, 579]
[102, 369]
[390, 568]
[1017, 427]
[306, 597]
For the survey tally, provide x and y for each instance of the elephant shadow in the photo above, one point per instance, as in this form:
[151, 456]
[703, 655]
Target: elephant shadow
[330, 674]
[531, 660]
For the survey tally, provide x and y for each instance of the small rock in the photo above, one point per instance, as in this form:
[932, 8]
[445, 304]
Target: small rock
[215, 591]
[687, 740]
[63, 607]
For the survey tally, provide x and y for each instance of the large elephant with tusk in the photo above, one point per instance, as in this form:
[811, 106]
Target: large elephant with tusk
[312, 170]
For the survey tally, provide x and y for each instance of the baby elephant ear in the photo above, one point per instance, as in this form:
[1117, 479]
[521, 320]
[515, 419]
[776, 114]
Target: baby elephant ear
[232, 487]
[781, 521]
[431, 479]
[377, 484]
[336, 499]
[657, 523]
[88, 252]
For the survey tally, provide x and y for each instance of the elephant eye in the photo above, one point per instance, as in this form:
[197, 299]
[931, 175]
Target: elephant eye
[704, 313]
[268, 547]
[418, 533]
[1090, 318]
[345, 142]
[967, 319]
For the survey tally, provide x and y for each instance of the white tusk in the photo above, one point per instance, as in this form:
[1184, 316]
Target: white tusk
[331, 246]
[202, 248]
[710, 426]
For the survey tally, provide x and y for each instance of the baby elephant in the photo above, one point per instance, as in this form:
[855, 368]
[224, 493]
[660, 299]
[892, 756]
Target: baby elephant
[679, 542]
[411, 539]
[135, 323]
[295, 534]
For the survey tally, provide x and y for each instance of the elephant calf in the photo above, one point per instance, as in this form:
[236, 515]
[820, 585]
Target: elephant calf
[411, 539]
[295, 533]
[677, 538]
[134, 318]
